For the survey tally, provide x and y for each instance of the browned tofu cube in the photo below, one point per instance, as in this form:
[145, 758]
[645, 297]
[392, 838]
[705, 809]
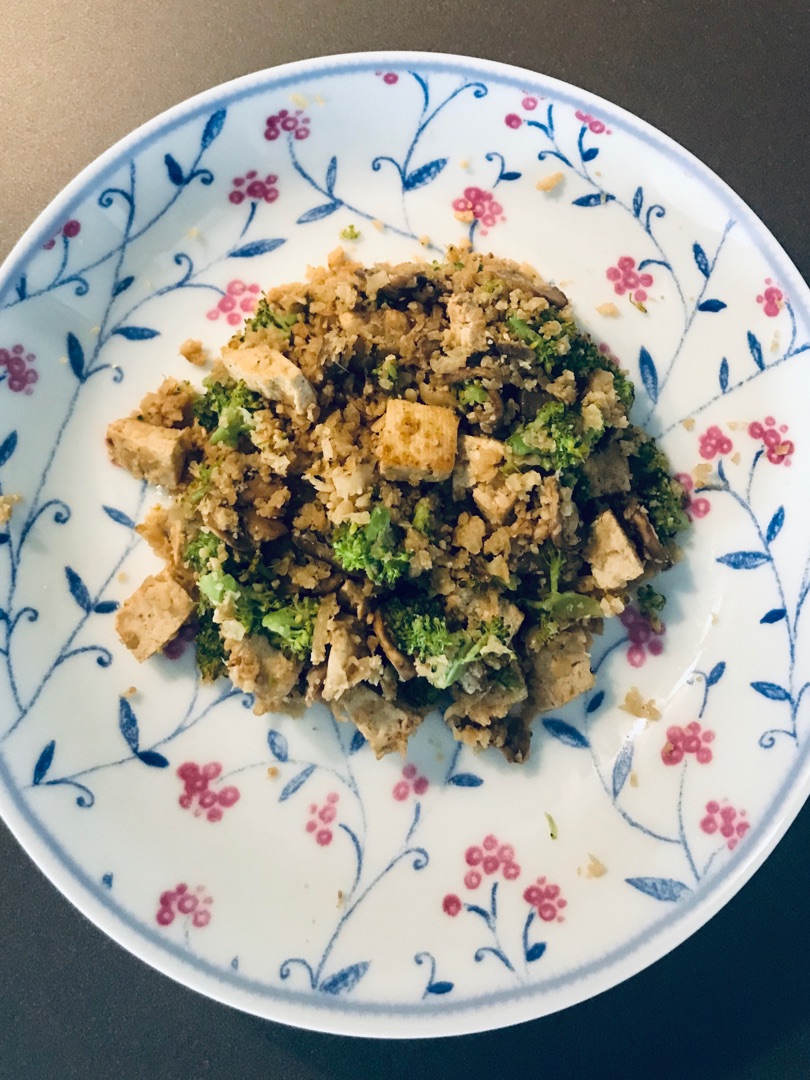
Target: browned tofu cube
[614, 561]
[154, 613]
[269, 372]
[562, 669]
[156, 454]
[418, 442]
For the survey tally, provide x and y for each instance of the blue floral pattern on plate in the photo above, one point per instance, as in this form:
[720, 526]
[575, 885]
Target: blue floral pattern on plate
[285, 870]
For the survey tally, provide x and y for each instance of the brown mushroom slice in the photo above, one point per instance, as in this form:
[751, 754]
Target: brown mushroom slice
[262, 529]
[551, 293]
[651, 547]
[398, 660]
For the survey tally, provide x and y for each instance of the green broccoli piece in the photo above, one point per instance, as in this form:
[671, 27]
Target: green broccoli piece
[226, 410]
[545, 348]
[373, 548]
[291, 626]
[422, 519]
[215, 584]
[650, 604]
[202, 485]
[349, 233]
[201, 550]
[557, 610]
[264, 316]
[658, 491]
[387, 371]
[583, 358]
[471, 393]
[210, 650]
[556, 438]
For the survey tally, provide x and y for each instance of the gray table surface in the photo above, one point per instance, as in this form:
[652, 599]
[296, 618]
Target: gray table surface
[728, 80]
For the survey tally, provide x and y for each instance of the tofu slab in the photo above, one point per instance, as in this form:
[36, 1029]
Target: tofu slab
[151, 617]
[269, 372]
[418, 442]
[155, 454]
[614, 561]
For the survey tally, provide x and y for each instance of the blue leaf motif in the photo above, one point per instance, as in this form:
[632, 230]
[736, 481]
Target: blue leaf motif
[711, 305]
[744, 560]
[152, 758]
[128, 724]
[119, 517]
[590, 153]
[701, 259]
[771, 691]
[104, 607]
[235, 963]
[595, 701]
[357, 743]
[297, 781]
[774, 615]
[78, 589]
[535, 951]
[107, 881]
[659, 888]
[424, 174]
[212, 128]
[510, 176]
[7, 447]
[775, 525]
[755, 349]
[638, 201]
[318, 212]
[4, 538]
[723, 376]
[716, 674]
[596, 199]
[566, 733]
[331, 175]
[278, 745]
[136, 333]
[43, 763]
[174, 171]
[258, 247]
[75, 356]
[22, 287]
[465, 779]
[721, 470]
[439, 987]
[344, 980]
[122, 285]
[622, 767]
[649, 375]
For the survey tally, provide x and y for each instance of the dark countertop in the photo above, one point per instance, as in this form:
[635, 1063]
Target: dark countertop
[728, 80]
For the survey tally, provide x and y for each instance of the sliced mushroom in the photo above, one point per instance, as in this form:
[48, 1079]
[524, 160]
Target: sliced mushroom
[552, 294]
[310, 546]
[326, 586]
[400, 662]
[262, 529]
[651, 547]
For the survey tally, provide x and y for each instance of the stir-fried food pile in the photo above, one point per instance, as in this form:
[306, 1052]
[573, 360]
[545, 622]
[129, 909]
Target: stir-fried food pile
[401, 488]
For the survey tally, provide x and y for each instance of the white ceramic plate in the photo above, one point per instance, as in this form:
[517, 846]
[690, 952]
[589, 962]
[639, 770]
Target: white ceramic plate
[278, 866]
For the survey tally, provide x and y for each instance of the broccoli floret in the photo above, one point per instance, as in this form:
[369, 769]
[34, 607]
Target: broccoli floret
[373, 548]
[265, 316]
[557, 610]
[215, 584]
[421, 630]
[545, 348]
[583, 358]
[349, 233]
[387, 371]
[202, 485]
[650, 604]
[291, 626]
[556, 437]
[201, 550]
[210, 651]
[422, 519]
[471, 393]
[419, 693]
[658, 491]
[226, 410]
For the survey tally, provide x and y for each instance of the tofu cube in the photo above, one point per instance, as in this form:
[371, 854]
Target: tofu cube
[614, 561]
[155, 454]
[418, 442]
[151, 617]
[269, 372]
[562, 670]
[608, 471]
[476, 463]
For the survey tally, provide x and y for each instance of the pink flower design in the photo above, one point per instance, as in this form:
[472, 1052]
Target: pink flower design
[597, 127]
[239, 300]
[482, 205]
[321, 817]
[389, 77]
[16, 370]
[605, 350]
[695, 508]
[730, 823]
[512, 120]
[713, 442]
[778, 449]
[196, 780]
[643, 638]
[529, 102]
[69, 230]
[178, 645]
[546, 899]
[411, 781]
[195, 906]
[251, 186]
[483, 860]
[772, 299]
[627, 279]
[295, 124]
[691, 740]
